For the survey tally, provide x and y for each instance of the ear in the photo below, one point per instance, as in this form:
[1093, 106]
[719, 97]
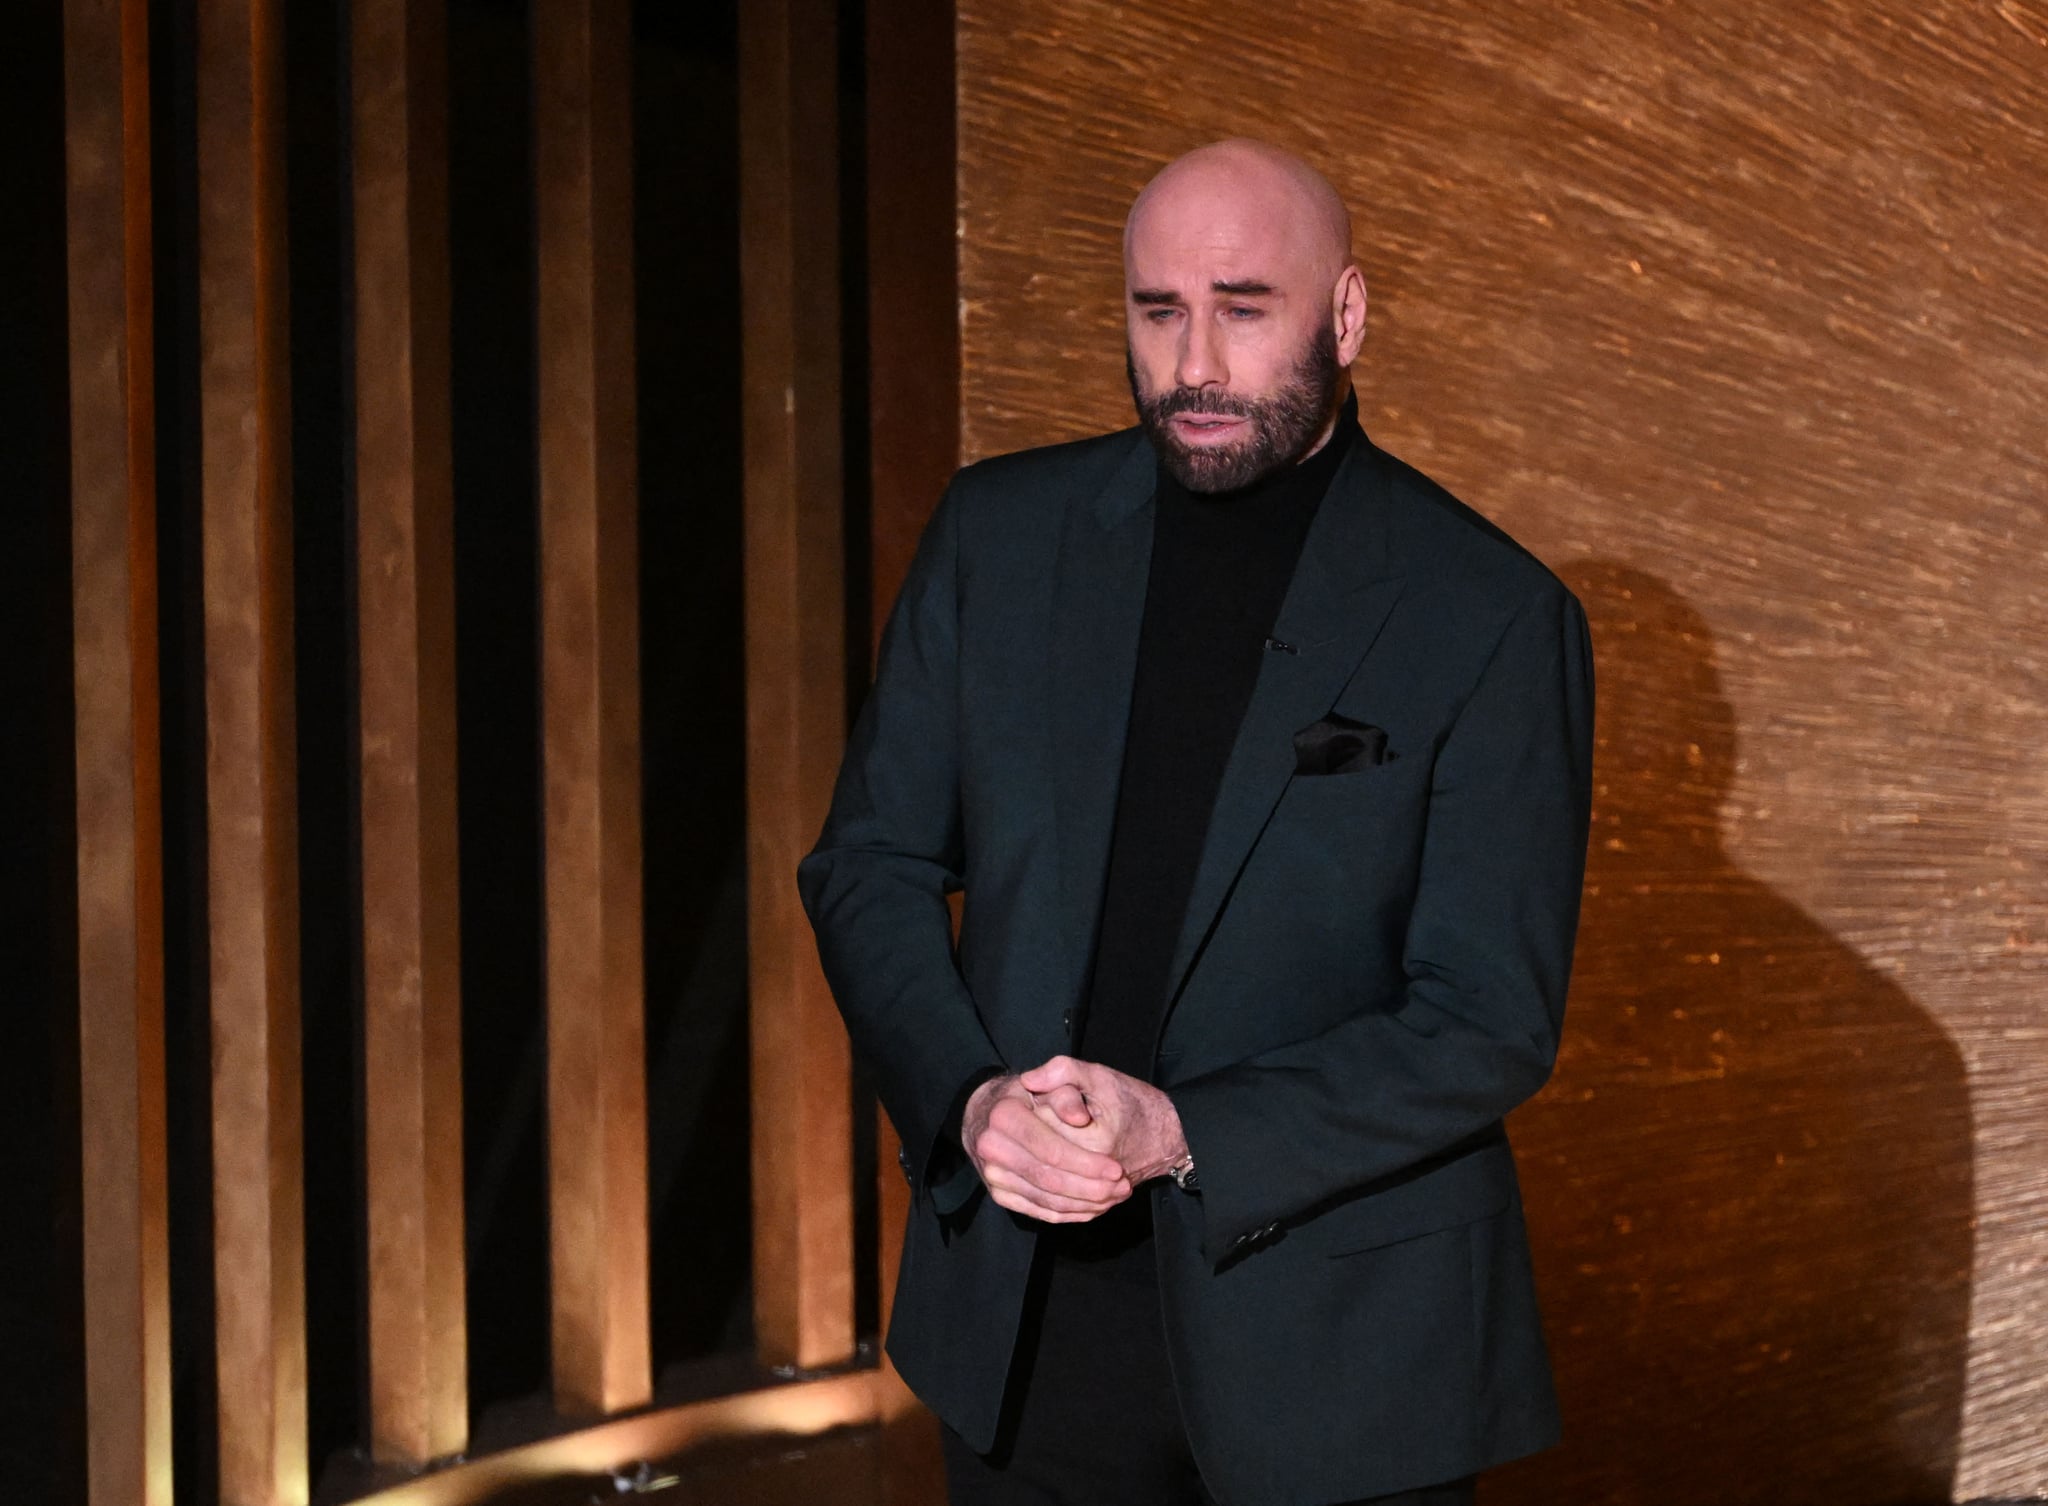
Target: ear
[1347, 313]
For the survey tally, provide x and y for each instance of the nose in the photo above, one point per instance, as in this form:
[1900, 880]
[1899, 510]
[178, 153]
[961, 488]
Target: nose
[1201, 362]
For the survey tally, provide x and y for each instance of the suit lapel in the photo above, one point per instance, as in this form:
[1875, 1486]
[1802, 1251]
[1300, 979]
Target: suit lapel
[1335, 606]
[1098, 604]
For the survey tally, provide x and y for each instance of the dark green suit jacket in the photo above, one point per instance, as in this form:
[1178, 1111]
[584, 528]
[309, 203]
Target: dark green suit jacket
[1371, 973]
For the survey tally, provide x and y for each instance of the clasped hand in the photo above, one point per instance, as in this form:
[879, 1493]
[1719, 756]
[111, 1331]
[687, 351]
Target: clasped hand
[1068, 1140]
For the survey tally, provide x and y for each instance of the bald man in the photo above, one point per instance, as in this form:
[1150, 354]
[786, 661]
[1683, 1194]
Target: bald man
[1264, 765]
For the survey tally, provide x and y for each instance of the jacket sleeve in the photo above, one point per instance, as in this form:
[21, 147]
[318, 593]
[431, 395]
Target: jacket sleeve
[1486, 958]
[875, 885]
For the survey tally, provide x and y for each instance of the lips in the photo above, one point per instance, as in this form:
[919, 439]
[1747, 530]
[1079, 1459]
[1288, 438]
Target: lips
[1206, 428]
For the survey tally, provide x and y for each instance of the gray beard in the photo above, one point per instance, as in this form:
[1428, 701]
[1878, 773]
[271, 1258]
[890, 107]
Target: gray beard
[1283, 426]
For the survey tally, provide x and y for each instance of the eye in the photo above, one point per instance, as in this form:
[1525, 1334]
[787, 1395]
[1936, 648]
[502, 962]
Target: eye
[1242, 312]
[1159, 316]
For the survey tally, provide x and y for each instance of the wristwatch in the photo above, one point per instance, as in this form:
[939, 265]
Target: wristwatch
[1183, 1173]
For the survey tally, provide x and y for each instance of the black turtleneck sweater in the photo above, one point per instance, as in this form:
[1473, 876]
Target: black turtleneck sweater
[1220, 568]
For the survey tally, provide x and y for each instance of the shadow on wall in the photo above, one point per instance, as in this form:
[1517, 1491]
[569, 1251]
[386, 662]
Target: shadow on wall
[1749, 1183]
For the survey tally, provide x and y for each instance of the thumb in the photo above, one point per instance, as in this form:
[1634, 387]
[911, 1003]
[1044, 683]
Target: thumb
[1070, 1105]
[1057, 1072]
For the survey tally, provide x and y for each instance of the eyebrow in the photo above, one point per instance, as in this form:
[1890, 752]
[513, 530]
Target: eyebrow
[1242, 289]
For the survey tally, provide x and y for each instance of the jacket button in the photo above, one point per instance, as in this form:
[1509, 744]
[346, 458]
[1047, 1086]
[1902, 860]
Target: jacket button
[1257, 1236]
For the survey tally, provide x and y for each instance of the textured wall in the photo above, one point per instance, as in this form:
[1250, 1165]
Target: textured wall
[1736, 313]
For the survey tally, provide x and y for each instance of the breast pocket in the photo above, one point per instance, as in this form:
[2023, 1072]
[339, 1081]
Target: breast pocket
[1396, 777]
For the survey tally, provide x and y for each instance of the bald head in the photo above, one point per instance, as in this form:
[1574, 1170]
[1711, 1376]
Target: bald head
[1244, 311]
[1249, 193]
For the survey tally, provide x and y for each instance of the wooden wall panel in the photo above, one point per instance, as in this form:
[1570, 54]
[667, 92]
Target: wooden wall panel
[913, 310]
[405, 580]
[1737, 315]
[796, 671]
[913, 374]
[251, 795]
[120, 819]
[590, 706]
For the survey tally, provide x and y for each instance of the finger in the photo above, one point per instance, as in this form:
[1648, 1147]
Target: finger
[1098, 1178]
[1062, 1147]
[1021, 1197]
[1018, 1204]
[1018, 1166]
[1053, 1182]
[1103, 1181]
[1097, 1136]
[1067, 1104]
[1055, 1145]
[1052, 1073]
[1022, 1185]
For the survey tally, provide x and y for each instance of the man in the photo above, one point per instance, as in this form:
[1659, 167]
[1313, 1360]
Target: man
[1264, 766]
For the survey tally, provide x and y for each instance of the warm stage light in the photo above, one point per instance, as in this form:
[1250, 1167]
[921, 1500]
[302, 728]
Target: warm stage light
[802, 1409]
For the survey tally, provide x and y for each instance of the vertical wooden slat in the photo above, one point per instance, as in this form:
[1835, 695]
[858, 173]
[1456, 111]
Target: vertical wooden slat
[120, 868]
[796, 679]
[913, 328]
[252, 858]
[405, 574]
[590, 708]
[913, 279]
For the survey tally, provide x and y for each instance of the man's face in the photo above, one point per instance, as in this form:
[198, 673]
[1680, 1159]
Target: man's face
[1216, 441]
[1233, 359]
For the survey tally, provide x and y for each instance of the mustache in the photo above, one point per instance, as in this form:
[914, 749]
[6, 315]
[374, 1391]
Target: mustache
[1197, 400]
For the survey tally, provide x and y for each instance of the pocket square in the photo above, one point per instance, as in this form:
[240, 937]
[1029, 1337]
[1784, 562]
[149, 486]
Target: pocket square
[1337, 745]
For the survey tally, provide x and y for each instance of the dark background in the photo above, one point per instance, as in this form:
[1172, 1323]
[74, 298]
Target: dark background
[1736, 322]
[688, 351]
[42, 1427]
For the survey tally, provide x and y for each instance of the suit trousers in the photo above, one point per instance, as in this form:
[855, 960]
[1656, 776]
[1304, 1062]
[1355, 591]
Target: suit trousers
[1089, 1415]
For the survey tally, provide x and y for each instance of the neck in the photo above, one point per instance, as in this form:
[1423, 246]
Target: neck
[1330, 423]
